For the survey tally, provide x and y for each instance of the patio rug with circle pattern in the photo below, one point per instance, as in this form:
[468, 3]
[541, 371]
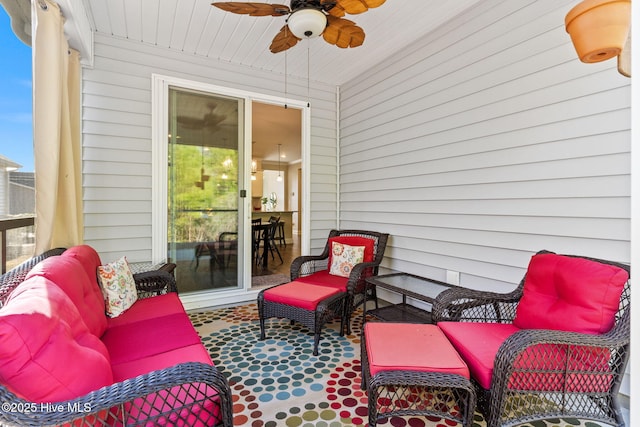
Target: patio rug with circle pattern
[278, 381]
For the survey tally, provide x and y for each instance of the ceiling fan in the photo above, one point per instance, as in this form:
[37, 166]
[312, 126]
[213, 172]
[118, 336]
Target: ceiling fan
[208, 121]
[308, 19]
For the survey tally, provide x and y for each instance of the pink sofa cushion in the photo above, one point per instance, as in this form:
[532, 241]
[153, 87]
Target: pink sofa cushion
[323, 278]
[411, 347]
[148, 308]
[149, 337]
[478, 344]
[88, 257]
[47, 354]
[153, 404]
[70, 276]
[90, 260]
[299, 294]
[133, 368]
[570, 294]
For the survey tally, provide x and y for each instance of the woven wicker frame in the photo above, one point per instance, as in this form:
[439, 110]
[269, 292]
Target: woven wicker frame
[326, 310]
[416, 393]
[179, 395]
[309, 264]
[506, 406]
[12, 278]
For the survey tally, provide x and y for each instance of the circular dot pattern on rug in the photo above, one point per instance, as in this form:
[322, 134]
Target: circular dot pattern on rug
[278, 369]
[279, 383]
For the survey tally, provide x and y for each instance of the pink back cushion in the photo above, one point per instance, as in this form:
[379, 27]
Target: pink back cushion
[69, 275]
[354, 241]
[570, 294]
[47, 354]
[88, 257]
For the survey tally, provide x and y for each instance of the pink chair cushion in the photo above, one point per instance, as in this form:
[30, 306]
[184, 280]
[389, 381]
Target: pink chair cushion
[153, 404]
[413, 347]
[70, 276]
[368, 244]
[47, 354]
[540, 367]
[148, 308]
[299, 294]
[478, 344]
[570, 294]
[323, 278]
[149, 337]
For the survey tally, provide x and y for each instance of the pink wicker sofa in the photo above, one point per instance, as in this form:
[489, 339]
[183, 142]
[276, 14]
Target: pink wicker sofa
[64, 362]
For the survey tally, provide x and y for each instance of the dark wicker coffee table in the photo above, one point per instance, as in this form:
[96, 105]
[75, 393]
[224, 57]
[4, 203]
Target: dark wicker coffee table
[408, 285]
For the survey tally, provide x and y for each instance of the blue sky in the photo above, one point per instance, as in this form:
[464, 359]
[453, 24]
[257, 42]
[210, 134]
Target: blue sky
[15, 97]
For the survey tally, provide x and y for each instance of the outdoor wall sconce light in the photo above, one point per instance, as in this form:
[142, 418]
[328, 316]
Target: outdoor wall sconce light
[599, 29]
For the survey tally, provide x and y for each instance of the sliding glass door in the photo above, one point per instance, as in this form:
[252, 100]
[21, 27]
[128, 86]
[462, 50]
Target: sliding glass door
[203, 210]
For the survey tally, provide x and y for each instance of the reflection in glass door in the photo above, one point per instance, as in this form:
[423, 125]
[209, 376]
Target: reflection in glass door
[205, 133]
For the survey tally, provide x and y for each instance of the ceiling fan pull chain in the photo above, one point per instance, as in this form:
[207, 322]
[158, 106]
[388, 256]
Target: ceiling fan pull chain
[285, 79]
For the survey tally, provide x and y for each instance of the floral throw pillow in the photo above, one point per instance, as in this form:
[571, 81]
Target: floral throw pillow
[118, 287]
[344, 257]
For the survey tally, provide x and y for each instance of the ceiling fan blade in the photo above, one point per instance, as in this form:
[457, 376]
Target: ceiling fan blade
[283, 40]
[253, 9]
[343, 33]
[353, 7]
[337, 11]
[190, 122]
[332, 8]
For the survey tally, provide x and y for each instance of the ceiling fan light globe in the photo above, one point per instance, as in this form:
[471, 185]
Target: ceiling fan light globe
[307, 23]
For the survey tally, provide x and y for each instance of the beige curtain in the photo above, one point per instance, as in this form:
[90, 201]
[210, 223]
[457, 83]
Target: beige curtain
[56, 131]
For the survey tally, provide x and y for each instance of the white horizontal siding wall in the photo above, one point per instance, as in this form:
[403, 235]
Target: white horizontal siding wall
[485, 142]
[116, 128]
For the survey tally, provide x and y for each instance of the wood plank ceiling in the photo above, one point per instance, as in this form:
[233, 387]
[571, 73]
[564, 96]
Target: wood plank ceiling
[195, 27]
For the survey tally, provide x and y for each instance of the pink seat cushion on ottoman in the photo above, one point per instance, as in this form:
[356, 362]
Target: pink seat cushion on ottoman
[411, 347]
[298, 294]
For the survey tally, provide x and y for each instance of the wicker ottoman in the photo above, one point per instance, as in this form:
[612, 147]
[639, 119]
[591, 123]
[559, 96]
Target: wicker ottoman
[310, 305]
[412, 370]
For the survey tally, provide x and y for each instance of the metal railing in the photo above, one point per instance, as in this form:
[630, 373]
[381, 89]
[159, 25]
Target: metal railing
[17, 240]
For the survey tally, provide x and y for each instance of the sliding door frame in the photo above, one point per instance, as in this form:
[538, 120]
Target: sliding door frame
[160, 130]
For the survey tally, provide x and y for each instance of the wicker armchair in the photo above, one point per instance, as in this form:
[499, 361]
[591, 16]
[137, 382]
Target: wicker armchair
[310, 264]
[544, 373]
[179, 395]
